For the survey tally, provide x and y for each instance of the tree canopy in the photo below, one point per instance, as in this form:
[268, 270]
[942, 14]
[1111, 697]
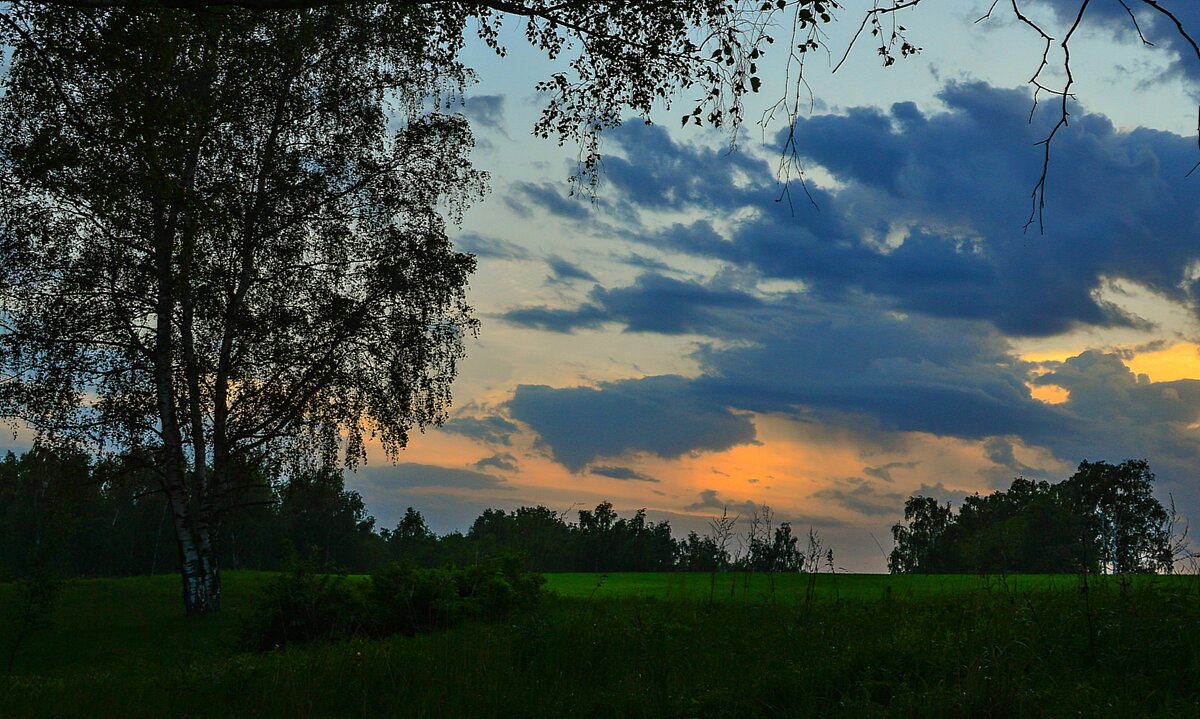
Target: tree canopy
[223, 240]
[1103, 518]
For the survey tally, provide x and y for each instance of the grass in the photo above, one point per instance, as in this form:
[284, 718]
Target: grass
[744, 587]
[649, 646]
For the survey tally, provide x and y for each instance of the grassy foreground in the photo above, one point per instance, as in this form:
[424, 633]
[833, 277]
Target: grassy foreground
[648, 646]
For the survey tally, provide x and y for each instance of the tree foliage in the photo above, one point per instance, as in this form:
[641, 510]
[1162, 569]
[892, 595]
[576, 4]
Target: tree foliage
[82, 517]
[1104, 518]
[223, 240]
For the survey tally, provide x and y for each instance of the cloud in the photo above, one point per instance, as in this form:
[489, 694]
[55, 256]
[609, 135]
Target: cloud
[909, 373]
[550, 319]
[642, 262]
[653, 303]
[1127, 416]
[884, 472]
[914, 280]
[503, 461]
[492, 429]
[667, 416]
[624, 473]
[563, 271]
[414, 474]
[489, 247]
[909, 225]
[485, 111]
[862, 496]
[1158, 29]
[865, 366]
[710, 499]
[547, 196]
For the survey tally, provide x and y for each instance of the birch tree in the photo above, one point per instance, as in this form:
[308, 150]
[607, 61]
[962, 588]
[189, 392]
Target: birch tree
[215, 250]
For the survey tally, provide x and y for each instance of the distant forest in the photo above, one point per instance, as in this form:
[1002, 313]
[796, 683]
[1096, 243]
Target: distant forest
[109, 518]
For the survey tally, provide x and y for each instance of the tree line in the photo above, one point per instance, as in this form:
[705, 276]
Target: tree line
[1104, 518]
[110, 518]
[77, 516]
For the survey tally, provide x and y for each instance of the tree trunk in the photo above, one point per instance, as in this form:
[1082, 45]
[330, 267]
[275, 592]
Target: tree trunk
[197, 564]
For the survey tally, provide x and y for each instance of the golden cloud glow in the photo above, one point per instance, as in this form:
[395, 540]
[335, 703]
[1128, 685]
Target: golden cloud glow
[1179, 361]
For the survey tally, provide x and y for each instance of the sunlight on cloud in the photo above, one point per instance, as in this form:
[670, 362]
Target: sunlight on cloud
[1178, 361]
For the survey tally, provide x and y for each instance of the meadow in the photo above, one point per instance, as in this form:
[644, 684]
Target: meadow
[646, 645]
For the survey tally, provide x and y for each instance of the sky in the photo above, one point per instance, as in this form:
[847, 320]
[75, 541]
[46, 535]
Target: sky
[688, 342]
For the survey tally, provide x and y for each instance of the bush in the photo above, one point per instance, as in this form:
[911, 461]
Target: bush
[301, 606]
[409, 599]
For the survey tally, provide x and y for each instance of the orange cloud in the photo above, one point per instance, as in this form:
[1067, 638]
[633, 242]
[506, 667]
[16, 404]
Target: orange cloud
[1179, 361]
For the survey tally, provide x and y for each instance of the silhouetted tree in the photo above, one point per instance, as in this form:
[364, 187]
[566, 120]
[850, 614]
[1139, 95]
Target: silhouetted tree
[412, 541]
[327, 524]
[919, 545]
[215, 249]
[701, 554]
[1126, 524]
[1104, 518]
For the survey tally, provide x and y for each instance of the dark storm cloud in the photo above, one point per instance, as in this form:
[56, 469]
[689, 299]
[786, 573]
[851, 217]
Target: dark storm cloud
[864, 366]
[623, 473]
[908, 373]
[668, 416]
[503, 461]
[1127, 416]
[793, 355]
[916, 272]
[413, 474]
[564, 271]
[492, 429]
[862, 496]
[931, 214]
[659, 174]
[654, 303]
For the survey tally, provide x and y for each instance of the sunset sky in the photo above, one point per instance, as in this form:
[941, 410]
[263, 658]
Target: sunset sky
[686, 341]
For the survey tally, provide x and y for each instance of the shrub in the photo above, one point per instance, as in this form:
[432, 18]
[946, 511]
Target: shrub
[402, 598]
[409, 599]
[301, 606]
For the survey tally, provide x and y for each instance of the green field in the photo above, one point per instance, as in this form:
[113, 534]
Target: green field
[647, 645]
[757, 587]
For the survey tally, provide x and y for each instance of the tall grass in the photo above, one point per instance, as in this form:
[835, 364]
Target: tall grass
[1027, 647]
